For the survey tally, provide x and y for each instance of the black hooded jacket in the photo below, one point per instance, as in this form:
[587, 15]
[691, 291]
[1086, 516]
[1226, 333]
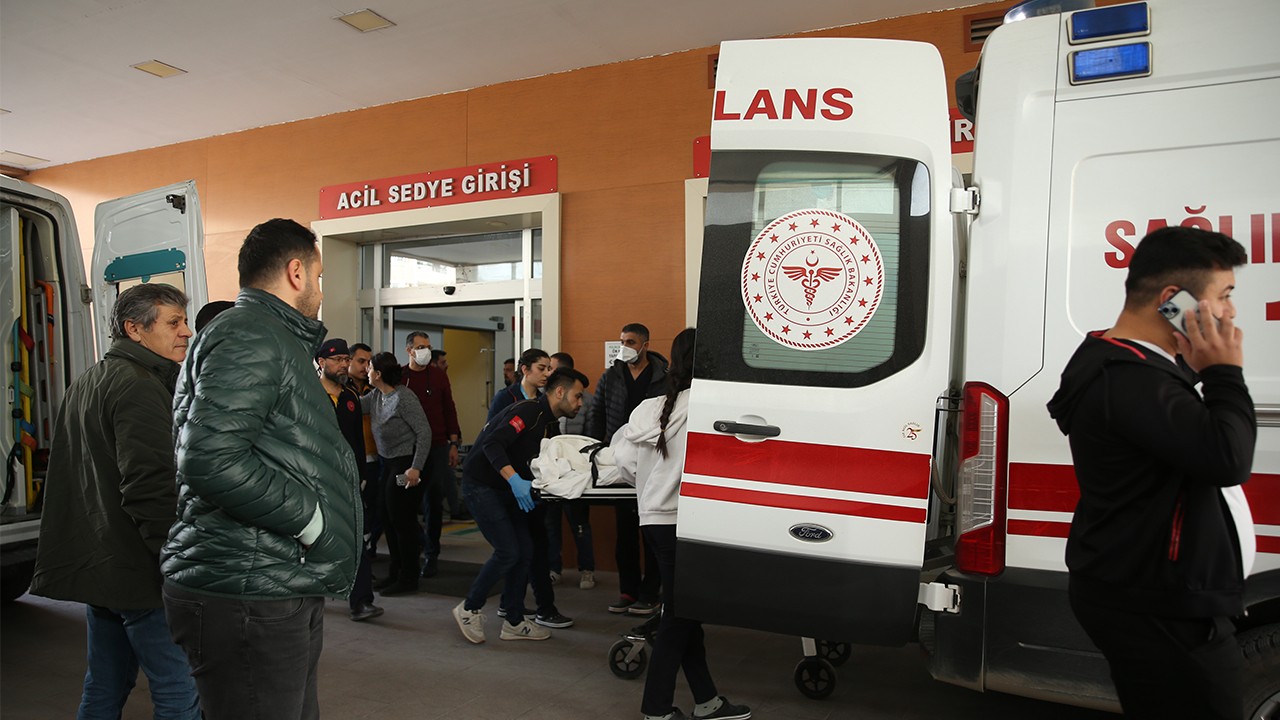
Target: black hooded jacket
[1152, 532]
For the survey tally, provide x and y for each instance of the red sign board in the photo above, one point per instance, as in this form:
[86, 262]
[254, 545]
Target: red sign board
[492, 181]
[702, 156]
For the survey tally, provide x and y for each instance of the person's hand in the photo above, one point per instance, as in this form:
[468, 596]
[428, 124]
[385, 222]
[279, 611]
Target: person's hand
[453, 456]
[412, 477]
[1210, 343]
[523, 490]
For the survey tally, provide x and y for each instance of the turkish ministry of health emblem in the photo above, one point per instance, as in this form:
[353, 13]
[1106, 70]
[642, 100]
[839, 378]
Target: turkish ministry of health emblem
[812, 279]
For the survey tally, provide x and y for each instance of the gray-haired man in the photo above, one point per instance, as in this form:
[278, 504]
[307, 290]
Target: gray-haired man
[110, 500]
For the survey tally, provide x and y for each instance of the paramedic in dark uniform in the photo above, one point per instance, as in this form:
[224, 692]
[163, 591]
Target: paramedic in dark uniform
[496, 485]
[334, 358]
[1162, 538]
[535, 368]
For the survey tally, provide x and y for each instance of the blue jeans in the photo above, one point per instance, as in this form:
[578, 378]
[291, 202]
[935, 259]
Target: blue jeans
[250, 658]
[506, 527]
[121, 641]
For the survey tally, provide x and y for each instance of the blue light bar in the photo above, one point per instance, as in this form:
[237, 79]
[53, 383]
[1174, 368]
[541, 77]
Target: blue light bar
[1117, 21]
[1110, 63]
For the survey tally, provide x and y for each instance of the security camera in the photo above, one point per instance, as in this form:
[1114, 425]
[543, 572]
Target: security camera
[450, 289]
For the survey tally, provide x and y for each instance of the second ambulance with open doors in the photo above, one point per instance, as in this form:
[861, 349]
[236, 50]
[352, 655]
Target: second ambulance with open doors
[48, 312]
[869, 455]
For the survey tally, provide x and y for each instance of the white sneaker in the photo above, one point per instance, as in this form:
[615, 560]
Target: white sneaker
[587, 581]
[555, 578]
[471, 622]
[524, 631]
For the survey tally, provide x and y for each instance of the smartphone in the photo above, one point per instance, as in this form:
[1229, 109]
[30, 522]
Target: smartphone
[1175, 310]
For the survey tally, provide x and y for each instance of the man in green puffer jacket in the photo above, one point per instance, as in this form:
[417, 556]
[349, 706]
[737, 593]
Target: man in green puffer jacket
[268, 491]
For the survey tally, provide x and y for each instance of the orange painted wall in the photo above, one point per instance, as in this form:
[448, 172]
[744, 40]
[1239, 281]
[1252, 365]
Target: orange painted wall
[622, 133]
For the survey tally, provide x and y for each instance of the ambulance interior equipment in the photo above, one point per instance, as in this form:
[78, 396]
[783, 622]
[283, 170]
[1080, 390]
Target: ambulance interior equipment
[869, 451]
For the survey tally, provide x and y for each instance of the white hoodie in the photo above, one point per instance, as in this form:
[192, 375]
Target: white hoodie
[635, 450]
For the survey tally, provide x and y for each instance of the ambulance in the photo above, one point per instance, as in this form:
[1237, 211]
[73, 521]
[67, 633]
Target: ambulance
[48, 312]
[869, 455]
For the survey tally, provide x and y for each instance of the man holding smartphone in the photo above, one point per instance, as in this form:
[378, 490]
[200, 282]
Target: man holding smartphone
[1162, 538]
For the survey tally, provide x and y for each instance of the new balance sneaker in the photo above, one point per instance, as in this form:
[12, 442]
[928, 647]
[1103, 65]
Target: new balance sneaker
[470, 622]
[644, 607]
[524, 631]
[554, 620]
[587, 580]
[726, 711]
[622, 604]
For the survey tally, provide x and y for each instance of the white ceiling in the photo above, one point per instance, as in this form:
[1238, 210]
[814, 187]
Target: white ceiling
[70, 93]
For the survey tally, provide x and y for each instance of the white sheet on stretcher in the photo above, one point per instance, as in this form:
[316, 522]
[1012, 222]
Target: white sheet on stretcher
[563, 470]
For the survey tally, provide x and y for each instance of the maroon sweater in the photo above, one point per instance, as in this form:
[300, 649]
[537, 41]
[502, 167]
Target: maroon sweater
[431, 385]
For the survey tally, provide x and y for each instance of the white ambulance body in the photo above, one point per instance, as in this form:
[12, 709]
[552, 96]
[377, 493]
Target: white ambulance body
[47, 322]
[870, 458]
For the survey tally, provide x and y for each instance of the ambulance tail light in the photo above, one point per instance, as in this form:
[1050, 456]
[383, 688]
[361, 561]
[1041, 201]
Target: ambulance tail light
[983, 480]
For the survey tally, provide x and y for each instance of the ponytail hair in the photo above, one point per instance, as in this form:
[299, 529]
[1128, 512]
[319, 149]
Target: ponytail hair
[679, 378]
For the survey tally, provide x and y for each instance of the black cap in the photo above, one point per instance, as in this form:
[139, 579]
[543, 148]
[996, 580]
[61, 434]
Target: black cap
[210, 311]
[331, 347]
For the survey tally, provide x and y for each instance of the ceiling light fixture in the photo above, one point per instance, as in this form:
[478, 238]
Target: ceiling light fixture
[365, 20]
[159, 69]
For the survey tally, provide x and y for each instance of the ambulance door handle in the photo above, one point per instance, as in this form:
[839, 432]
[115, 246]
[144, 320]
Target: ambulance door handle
[737, 428]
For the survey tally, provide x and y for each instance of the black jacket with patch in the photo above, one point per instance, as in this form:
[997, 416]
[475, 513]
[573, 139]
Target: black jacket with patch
[512, 438]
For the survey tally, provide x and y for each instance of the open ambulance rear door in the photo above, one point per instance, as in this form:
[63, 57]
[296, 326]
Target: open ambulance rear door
[154, 236]
[824, 339]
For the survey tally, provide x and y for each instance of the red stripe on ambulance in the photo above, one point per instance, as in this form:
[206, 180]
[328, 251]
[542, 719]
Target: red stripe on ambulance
[1053, 488]
[1039, 528]
[807, 503]
[880, 472]
[1042, 487]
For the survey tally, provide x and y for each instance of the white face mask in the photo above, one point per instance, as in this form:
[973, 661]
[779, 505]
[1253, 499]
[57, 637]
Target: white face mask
[422, 356]
[628, 355]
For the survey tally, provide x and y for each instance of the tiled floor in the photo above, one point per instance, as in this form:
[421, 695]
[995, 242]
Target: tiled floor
[413, 663]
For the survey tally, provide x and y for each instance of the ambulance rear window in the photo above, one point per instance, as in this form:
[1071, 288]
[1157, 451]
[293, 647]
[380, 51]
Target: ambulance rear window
[814, 268]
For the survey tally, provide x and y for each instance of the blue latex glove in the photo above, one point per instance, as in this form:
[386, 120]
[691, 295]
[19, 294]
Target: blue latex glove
[522, 489]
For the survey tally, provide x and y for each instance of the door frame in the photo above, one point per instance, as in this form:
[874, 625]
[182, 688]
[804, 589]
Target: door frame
[340, 240]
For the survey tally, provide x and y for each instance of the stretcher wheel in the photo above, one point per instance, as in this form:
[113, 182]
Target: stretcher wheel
[626, 661]
[836, 653]
[815, 678]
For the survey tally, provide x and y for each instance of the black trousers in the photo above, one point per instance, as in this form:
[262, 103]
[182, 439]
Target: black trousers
[402, 529]
[631, 581]
[1168, 667]
[680, 643]
[250, 658]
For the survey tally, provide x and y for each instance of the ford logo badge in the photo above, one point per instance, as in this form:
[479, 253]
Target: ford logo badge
[811, 533]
